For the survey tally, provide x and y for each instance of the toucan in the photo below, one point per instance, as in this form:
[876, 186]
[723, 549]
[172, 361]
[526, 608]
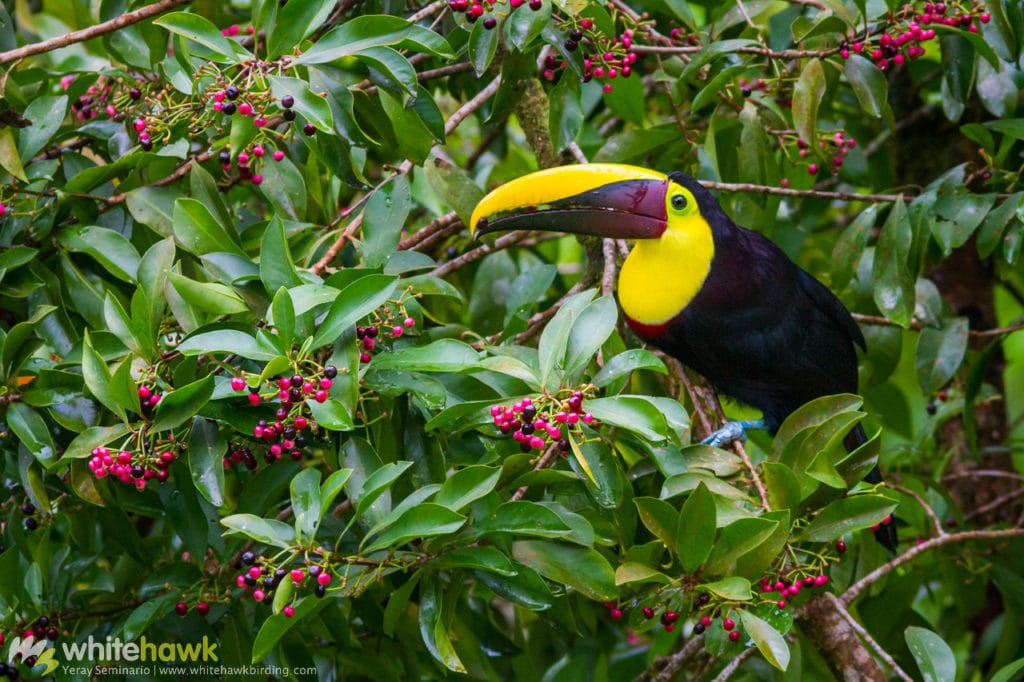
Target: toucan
[723, 299]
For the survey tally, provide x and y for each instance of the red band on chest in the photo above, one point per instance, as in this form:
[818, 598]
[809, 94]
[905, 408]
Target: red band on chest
[647, 331]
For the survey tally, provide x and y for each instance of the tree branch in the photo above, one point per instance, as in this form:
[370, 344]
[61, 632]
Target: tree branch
[664, 668]
[874, 576]
[338, 245]
[813, 193]
[763, 51]
[868, 639]
[55, 43]
[917, 325]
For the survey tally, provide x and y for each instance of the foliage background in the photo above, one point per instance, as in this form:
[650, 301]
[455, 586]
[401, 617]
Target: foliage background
[133, 256]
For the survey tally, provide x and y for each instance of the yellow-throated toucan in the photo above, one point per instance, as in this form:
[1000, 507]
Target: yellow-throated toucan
[721, 298]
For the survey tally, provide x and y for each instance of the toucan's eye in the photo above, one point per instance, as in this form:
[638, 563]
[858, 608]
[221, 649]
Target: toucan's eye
[679, 202]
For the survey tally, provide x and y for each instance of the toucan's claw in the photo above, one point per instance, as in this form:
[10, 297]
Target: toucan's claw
[736, 430]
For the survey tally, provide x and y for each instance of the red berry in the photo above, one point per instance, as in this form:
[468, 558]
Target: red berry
[324, 579]
[813, 169]
[202, 608]
[181, 608]
[309, 129]
[840, 546]
[254, 399]
[237, 383]
[258, 595]
[288, 611]
[145, 392]
[320, 396]
[615, 614]
[278, 155]
[297, 575]
[734, 635]
[705, 621]
[728, 624]
[781, 603]
[821, 580]
[301, 423]
[648, 612]
[396, 332]
[257, 179]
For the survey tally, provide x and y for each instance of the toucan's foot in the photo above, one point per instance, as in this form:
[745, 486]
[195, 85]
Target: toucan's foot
[732, 431]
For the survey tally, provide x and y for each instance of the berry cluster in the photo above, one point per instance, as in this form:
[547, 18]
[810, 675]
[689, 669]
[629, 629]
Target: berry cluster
[367, 337]
[904, 42]
[475, 9]
[787, 588]
[604, 58]
[387, 323]
[289, 432]
[149, 396]
[202, 608]
[262, 578]
[838, 145]
[135, 468]
[44, 627]
[29, 511]
[534, 424]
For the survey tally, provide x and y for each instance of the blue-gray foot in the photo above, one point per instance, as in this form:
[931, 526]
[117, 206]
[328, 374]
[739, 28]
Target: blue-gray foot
[732, 431]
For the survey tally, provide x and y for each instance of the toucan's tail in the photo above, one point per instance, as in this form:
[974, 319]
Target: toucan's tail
[886, 532]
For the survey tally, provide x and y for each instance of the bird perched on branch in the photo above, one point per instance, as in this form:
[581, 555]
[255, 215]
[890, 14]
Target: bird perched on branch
[721, 298]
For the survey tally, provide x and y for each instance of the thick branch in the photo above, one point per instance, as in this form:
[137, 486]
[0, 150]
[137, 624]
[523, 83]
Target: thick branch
[822, 621]
[126, 19]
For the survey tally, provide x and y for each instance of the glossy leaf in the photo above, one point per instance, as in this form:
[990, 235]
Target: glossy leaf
[847, 515]
[695, 534]
[767, 639]
[581, 568]
[939, 354]
[422, 521]
[934, 657]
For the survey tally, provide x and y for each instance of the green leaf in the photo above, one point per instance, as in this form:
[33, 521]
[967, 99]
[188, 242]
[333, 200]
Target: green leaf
[632, 413]
[94, 437]
[522, 517]
[46, 114]
[210, 297]
[9, 158]
[178, 406]
[199, 232]
[847, 515]
[482, 558]
[1010, 672]
[109, 248]
[483, 45]
[199, 30]
[555, 337]
[31, 430]
[376, 484]
[385, 216]
[277, 626]
[807, 96]
[634, 573]
[443, 355]
[811, 415]
[294, 22]
[939, 354]
[373, 30]
[433, 626]
[868, 84]
[311, 106]
[737, 539]
[268, 531]
[768, 640]
[522, 27]
[226, 341]
[733, 588]
[581, 568]
[392, 65]
[467, 485]
[934, 657]
[206, 450]
[355, 302]
[588, 333]
[97, 378]
[695, 534]
[783, 486]
[397, 603]
[277, 268]
[422, 521]
[305, 497]
[626, 362]
[284, 318]
[661, 519]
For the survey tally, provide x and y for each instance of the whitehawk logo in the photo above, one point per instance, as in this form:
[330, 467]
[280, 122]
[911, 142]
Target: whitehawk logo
[29, 648]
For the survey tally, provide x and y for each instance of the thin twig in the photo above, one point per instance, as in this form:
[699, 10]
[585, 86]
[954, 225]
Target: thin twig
[178, 173]
[874, 576]
[427, 11]
[57, 42]
[994, 504]
[609, 271]
[434, 226]
[995, 473]
[813, 193]
[868, 639]
[763, 51]
[545, 461]
[936, 522]
[668, 666]
[735, 663]
[502, 242]
[577, 153]
[762, 491]
[918, 325]
[472, 105]
[338, 245]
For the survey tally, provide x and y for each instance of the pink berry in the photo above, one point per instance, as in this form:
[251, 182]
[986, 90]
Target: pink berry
[781, 603]
[243, 158]
[254, 399]
[813, 169]
[615, 614]
[409, 322]
[326, 383]
[397, 331]
[288, 611]
[324, 579]
[734, 635]
[297, 575]
[140, 125]
[245, 109]
[237, 383]
[255, 572]
[320, 396]
[278, 155]
[257, 179]
[257, 151]
[728, 624]
[258, 595]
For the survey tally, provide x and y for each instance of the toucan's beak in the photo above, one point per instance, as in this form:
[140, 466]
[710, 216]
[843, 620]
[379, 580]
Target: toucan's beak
[603, 199]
